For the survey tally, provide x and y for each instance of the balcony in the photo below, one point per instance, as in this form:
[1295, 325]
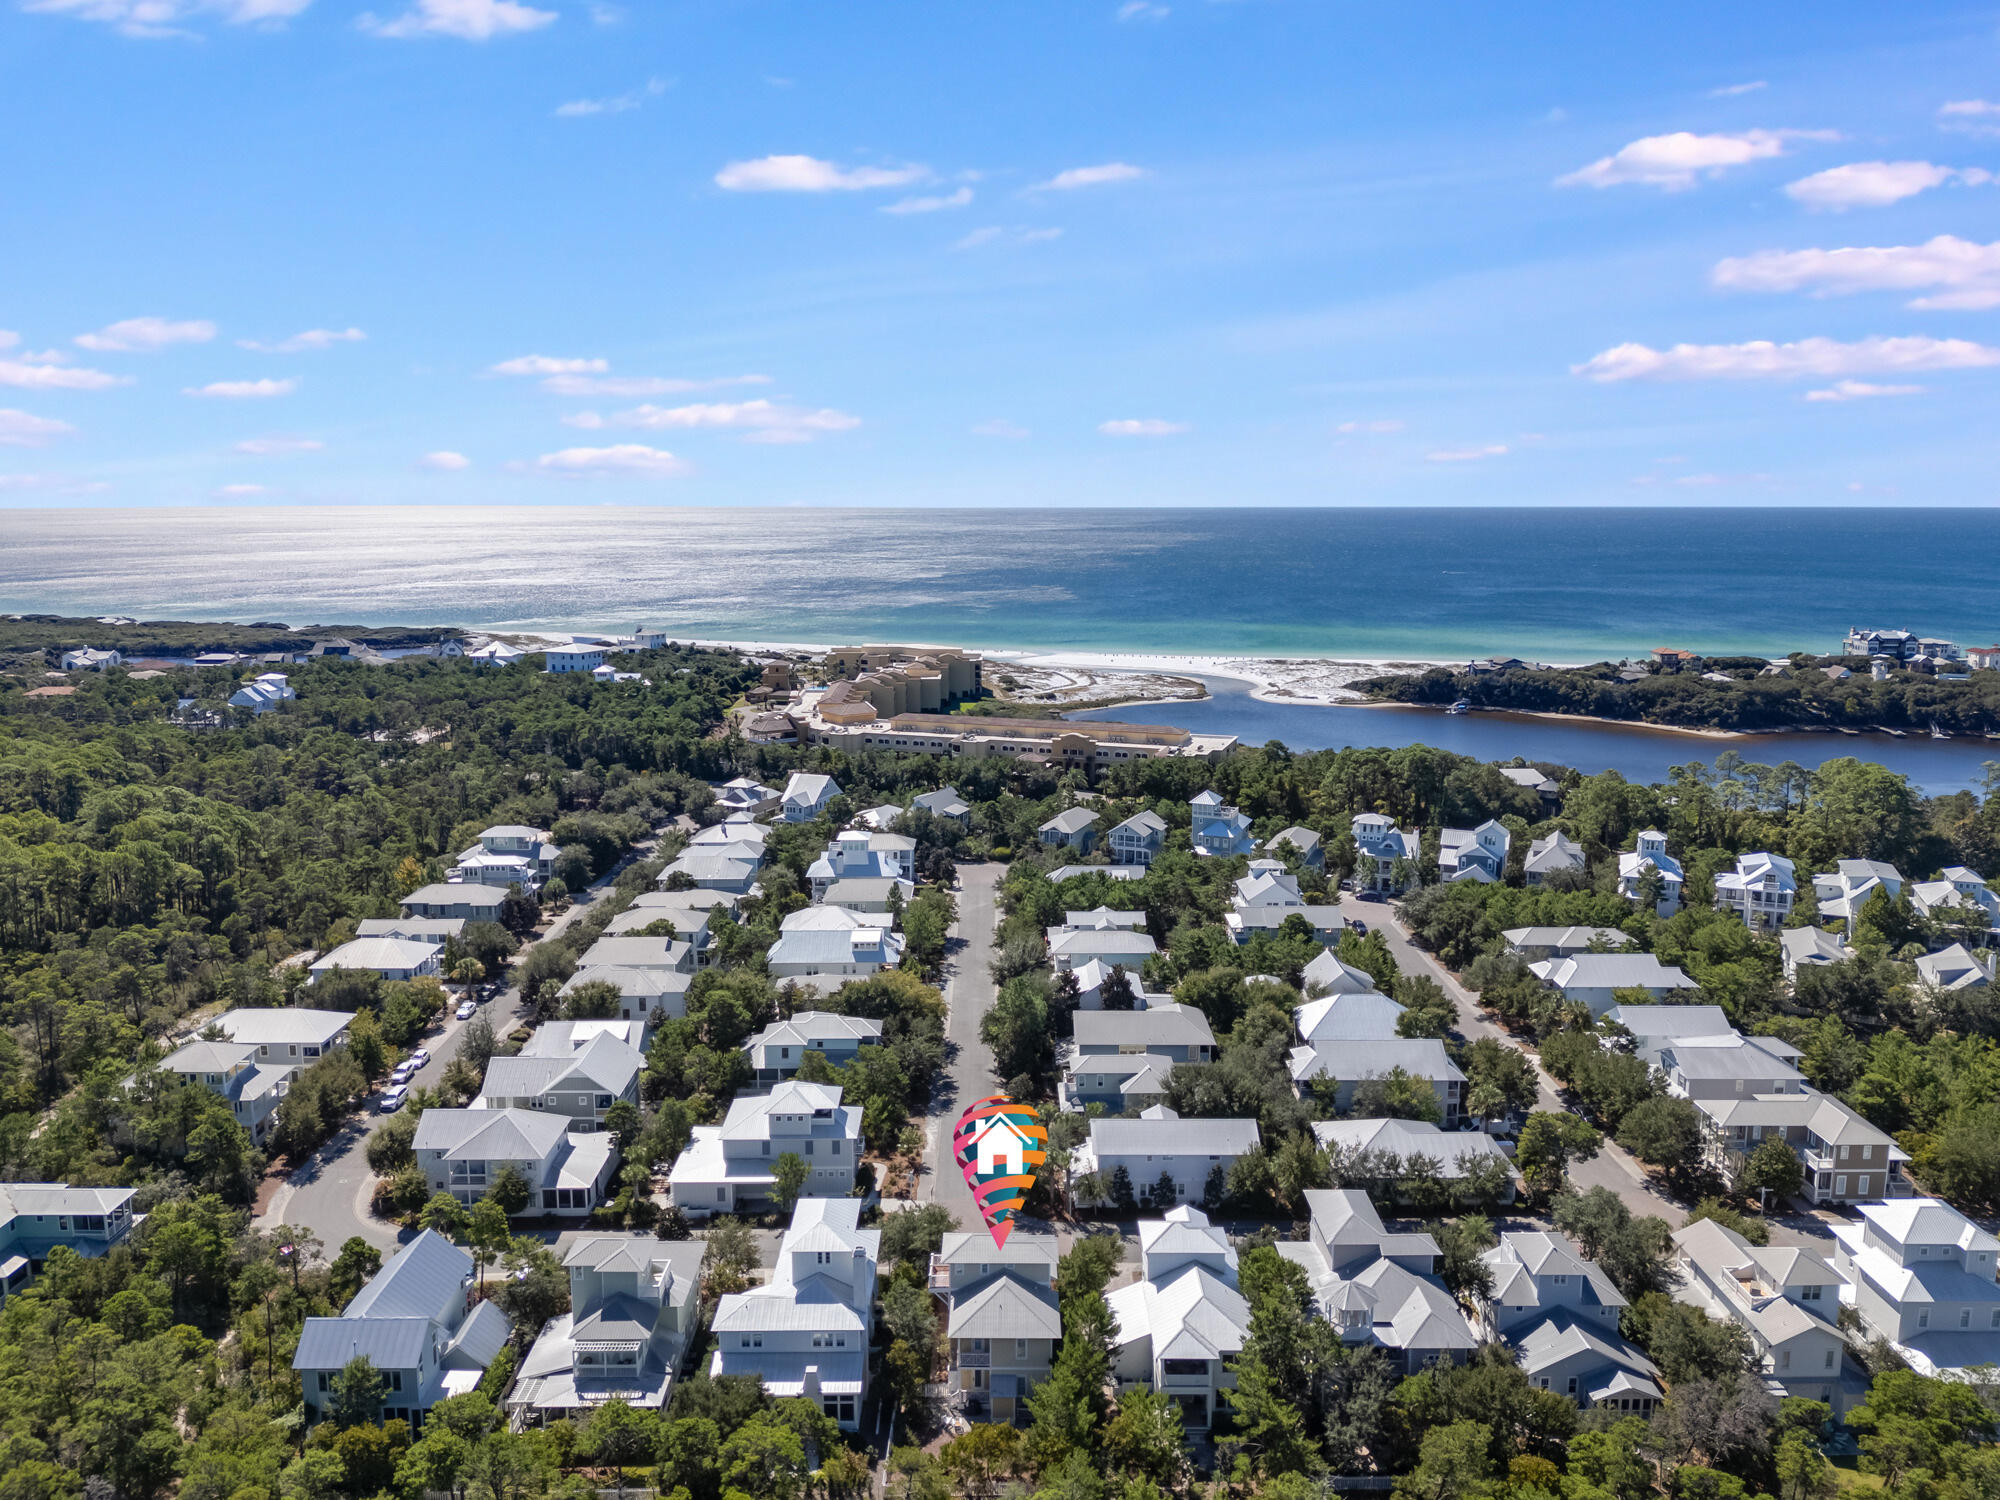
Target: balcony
[967, 1360]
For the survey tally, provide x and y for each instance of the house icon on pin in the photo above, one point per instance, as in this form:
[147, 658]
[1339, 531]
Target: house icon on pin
[1001, 1143]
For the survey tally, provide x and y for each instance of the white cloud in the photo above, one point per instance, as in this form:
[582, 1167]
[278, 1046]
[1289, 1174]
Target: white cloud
[545, 364]
[145, 335]
[1466, 455]
[8, 338]
[1083, 177]
[42, 372]
[1370, 427]
[1124, 427]
[241, 491]
[271, 447]
[162, 18]
[999, 427]
[929, 205]
[1682, 159]
[445, 461]
[760, 421]
[1861, 390]
[302, 343]
[641, 385]
[622, 460]
[1141, 10]
[808, 174]
[20, 429]
[468, 20]
[1732, 90]
[617, 104]
[242, 390]
[1874, 184]
[1970, 116]
[996, 234]
[1956, 273]
[1763, 360]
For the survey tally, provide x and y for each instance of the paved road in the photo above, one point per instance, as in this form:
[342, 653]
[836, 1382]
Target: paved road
[969, 993]
[330, 1194]
[1613, 1167]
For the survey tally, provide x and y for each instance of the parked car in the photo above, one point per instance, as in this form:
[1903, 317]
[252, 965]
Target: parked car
[467, 1009]
[420, 1058]
[1373, 896]
[404, 1072]
[392, 1099]
[1358, 926]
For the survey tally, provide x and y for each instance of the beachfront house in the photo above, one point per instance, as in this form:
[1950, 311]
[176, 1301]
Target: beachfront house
[574, 657]
[1649, 874]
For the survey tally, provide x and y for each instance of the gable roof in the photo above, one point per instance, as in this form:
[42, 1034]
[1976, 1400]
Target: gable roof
[1157, 1026]
[490, 1134]
[1071, 821]
[417, 1280]
[1610, 971]
[1006, 1307]
[1161, 1132]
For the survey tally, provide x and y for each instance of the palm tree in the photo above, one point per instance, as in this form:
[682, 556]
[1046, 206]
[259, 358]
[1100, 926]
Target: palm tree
[468, 972]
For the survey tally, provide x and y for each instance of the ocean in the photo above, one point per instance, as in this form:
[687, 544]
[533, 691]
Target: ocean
[1555, 585]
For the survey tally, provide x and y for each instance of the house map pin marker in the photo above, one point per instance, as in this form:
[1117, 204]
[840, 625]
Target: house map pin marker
[1000, 1146]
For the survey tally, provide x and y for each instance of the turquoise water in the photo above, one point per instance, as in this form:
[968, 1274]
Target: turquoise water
[1558, 585]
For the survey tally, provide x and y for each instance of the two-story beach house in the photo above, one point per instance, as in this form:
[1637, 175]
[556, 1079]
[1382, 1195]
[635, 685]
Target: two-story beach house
[748, 796]
[508, 854]
[417, 1323]
[1959, 896]
[1476, 854]
[1160, 1150]
[1073, 828]
[1301, 841]
[1180, 1325]
[35, 1217]
[727, 1167]
[463, 1152]
[1377, 1288]
[805, 1332]
[776, 1052]
[633, 1305]
[1594, 979]
[1139, 839]
[579, 1085]
[1923, 1278]
[1786, 1298]
[1553, 855]
[1844, 890]
[1002, 1320]
[251, 1057]
[1332, 1071]
[857, 854]
[1560, 1313]
[469, 903]
[806, 796]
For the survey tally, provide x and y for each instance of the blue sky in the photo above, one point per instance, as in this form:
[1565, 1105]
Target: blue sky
[1264, 252]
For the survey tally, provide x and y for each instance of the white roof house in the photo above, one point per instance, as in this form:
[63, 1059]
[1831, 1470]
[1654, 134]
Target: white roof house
[1761, 890]
[1955, 968]
[806, 1331]
[390, 957]
[1348, 1018]
[945, 802]
[1176, 1329]
[729, 1166]
[1476, 854]
[856, 854]
[1327, 975]
[1178, 1031]
[579, 1085]
[829, 957]
[89, 659]
[469, 902]
[1139, 839]
[1595, 978]
[1381, 845]
[1071, 949]
[1922, 1277]
[1456, 1152]
[1554, 854]
[462, 1151]
[1960, 895]
[777, 1051]
[263, 693]
[1072, 828]
[1647, 863]
[1787, 1299]
[745, 794]
[1561, 942]
[1845, 890]
[806, 796]
[1160, 1143]
[1810, 948]
[1337, 1068]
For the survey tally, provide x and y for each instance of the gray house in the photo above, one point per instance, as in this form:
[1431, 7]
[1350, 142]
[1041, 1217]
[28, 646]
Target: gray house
[1075, 829]
[1139, 839]
[417, 1323]
[464, 1151]
[35, 1217]
[777, 1050]
[579, 1087]
[944, 803]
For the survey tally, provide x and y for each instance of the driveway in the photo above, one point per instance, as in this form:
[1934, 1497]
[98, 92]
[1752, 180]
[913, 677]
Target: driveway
[969, 993]
[330, 1194]
[1613, 1167]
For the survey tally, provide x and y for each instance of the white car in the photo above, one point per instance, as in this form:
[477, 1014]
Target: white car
[420, 1058]
[467, 1009]
[392, 1099]
[404, 1072]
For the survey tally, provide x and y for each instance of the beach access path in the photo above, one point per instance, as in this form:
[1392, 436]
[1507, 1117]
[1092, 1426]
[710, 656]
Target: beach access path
[1613, 1167]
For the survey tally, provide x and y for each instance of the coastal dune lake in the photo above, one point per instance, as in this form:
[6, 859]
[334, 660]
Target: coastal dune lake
[1636, 752]
[1556, 585]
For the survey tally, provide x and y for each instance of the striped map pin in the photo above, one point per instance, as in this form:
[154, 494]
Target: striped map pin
[1000, 1146]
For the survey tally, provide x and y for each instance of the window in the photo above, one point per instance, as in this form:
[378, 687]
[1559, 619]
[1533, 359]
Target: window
[980, 1346]
[1572, 1385]
[765, 1146]
[833, 1148]
[604, 1101]
[1965, 1317]
[1923, 1320]
[809, 1146]
[395, 1380]
[1020, 1348]
[323, 1381]
[1784, 1359]
[1829, 1359]
[312, 1052]
[1811, 1293]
